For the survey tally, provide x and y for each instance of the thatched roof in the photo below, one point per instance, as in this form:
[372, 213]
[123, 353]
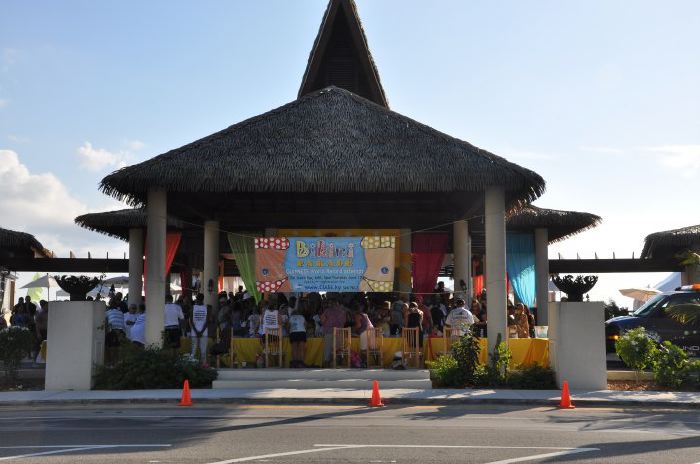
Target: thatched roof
[330, 141]
[559, 224]
[13, 242]
[117, 223]
[671, 242]
[340, 56]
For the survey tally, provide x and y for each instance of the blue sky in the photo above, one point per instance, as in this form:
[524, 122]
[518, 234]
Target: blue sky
[599, 97]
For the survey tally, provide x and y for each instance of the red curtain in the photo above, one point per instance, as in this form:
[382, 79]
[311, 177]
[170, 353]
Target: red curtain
[428, 255]
[478, 285]
[172, 242]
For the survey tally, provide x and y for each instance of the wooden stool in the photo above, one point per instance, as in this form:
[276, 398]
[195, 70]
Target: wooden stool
[273, 346]
[342, 340]
[411, 346]
[375, 343]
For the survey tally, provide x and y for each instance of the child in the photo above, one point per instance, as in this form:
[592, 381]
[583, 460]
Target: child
[253, 323]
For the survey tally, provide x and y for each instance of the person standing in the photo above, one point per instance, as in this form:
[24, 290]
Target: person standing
[414, 319]
[138, 331]
[460, 318]
[41, 323]
[297, 338]
[333, 317]
[200, 331]
[173, 323]
[361, 326]
[115, 332]
[130, 319]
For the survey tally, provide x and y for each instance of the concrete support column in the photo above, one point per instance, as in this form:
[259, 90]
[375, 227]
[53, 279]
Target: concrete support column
[461, 246]
[405, 264]
[495, 224]
[542, 275]
[135, 265]
[156, 223]
[211, 264]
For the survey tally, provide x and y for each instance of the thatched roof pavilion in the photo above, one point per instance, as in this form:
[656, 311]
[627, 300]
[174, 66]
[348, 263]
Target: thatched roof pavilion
[671, 242]
[21, 244]
[336, 157]
[330, 150]
[560, 224]
[117, 223]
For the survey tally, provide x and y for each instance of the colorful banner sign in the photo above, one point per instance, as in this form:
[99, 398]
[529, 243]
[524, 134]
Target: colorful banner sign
[325, 264]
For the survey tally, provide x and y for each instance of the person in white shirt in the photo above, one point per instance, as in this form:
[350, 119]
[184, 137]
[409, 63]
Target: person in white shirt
[460, 318]
[130, 320]
[173, 323]
[297, 338]
[200, 333]
[138, 330]
[270, 320]
[253, 323]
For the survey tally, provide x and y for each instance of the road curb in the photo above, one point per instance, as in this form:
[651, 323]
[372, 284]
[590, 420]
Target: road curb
[582, 403]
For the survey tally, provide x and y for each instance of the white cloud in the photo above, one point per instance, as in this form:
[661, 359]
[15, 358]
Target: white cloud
[603, 150]
[40, 204]
[3, 103]
[134, 145]
[18, 138]
[684, 158]
[97, 159]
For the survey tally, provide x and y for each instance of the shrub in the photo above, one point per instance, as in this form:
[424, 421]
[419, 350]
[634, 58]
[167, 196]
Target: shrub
[466, 351]
[152, 368]
[672, 367]
[446, 373]
[15, 344]
[637, 349]
[533, 377]
[496, 373]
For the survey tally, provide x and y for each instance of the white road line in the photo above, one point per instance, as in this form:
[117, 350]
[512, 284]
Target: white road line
[278, 455]
[544, 456]
[455, 447]
[321, 448]
[70, 449]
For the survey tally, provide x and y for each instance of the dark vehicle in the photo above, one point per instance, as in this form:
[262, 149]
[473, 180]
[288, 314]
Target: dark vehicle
[655, 317]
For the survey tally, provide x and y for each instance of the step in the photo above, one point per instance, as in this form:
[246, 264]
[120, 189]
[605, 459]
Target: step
[627, 375]
[303, 384]
[322, 374]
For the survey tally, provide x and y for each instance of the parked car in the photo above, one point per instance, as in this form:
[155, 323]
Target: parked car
[656, 317]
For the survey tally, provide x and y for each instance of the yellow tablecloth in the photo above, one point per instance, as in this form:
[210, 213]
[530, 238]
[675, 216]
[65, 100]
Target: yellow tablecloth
[525, 350]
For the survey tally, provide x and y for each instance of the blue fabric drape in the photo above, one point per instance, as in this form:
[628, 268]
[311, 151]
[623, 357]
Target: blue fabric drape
[520, 264]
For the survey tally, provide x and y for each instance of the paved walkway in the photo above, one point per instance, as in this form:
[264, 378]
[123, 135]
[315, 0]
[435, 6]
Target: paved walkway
[354, 396]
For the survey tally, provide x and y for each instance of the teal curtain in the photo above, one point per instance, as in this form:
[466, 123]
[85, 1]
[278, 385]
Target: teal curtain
[520, 264]
[243, 249]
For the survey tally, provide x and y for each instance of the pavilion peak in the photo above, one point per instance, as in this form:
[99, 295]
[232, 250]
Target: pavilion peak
[340, 56]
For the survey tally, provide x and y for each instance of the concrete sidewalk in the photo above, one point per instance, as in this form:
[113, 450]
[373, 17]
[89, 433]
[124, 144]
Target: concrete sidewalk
[355, 397]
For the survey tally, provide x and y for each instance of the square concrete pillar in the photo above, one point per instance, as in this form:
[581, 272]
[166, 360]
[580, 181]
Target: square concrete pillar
[75, 344]
[577, 344]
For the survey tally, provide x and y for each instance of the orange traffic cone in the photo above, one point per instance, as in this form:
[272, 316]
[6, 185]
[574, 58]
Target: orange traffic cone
[565, 402]
[376, 399]
[186, 399]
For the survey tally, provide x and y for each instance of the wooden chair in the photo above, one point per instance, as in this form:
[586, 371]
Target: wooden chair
[273, 346]
[411, 346]
[375, 342]
[449, 336]
[342, 339]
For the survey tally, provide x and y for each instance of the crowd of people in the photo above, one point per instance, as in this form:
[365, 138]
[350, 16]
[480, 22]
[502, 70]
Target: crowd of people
[299, 318]
[36, 319]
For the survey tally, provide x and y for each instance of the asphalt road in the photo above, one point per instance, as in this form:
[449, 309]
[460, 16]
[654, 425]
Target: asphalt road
[335, 434]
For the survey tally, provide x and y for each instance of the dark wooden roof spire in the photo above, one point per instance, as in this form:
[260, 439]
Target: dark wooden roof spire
[340, 56]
